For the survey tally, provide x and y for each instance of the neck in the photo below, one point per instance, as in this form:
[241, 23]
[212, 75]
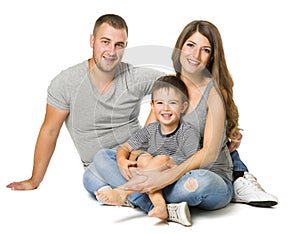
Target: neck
[194, 81]
[101, 80]
[168, 129]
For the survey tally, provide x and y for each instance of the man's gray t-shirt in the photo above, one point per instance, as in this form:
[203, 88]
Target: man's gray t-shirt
[98, 121]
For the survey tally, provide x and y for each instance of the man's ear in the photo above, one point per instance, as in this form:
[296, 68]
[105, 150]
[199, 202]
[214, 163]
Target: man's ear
[92, 38]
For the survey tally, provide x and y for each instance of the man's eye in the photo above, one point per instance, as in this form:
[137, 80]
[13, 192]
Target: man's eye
[120, 45]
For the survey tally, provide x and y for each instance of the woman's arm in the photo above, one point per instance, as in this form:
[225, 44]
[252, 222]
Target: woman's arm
[151, 118]
[213, 134]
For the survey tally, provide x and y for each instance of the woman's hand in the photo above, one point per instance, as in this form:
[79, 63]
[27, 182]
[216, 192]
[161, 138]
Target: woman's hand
[235, 144]
[150, 180]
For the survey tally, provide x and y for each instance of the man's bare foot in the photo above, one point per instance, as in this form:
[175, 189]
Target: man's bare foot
[116, 197]
[159, 212]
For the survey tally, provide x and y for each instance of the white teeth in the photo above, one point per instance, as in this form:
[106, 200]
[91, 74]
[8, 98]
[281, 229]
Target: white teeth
[193, 62]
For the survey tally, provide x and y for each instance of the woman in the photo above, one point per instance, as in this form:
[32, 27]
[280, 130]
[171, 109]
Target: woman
[209, 187]
[195, 64]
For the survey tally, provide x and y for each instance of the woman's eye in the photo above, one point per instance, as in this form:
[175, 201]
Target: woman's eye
[206, 50]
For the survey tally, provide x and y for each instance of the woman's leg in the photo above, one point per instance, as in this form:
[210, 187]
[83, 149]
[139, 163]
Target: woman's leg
[238, 165]
[246, 187]
[200, 188]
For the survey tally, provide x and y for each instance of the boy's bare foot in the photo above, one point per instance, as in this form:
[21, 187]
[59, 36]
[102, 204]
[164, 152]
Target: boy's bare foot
[159, 211]
[116, 197]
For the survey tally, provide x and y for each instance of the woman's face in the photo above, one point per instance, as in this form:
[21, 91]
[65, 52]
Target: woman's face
[195, 54]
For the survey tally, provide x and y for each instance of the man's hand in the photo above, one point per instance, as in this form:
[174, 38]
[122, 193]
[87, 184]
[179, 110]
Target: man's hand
[22, 185]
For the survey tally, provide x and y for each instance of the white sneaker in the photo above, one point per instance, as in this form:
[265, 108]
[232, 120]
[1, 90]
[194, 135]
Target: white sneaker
[108, 187]
[247, 190]
[179, 213]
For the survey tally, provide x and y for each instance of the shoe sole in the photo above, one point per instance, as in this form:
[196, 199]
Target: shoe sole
[257, 203]
[263, 203]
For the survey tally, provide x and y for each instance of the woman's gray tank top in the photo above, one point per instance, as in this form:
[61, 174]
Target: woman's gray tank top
[197, 118]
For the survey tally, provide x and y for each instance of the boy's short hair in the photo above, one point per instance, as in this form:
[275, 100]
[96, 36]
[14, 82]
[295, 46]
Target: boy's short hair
[171, 82]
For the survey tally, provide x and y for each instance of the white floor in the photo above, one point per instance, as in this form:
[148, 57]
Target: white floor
[61, 205]
[70, 209]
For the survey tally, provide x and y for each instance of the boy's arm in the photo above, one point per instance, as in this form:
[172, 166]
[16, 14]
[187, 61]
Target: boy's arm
[124, 163]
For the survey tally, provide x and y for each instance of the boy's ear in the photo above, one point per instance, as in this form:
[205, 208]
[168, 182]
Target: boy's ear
[152, 105]
[184, 107]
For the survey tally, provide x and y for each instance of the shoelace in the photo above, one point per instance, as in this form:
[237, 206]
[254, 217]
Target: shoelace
[173, 213]
[253, 182]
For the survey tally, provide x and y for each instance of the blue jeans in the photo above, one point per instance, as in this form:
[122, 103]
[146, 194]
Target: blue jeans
[238, 164]
[215, 191]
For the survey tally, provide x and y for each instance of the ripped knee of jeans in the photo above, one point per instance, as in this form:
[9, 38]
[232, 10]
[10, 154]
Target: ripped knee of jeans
[191, 184]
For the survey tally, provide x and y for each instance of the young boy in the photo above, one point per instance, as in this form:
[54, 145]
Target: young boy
[168, 141]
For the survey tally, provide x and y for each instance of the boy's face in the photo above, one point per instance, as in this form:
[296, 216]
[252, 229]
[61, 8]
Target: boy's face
[167, 106]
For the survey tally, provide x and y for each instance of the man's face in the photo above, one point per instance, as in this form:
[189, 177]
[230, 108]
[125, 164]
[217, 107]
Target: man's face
[108, 47]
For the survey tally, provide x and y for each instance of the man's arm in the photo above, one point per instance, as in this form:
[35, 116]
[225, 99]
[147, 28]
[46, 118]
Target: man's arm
[44, 148]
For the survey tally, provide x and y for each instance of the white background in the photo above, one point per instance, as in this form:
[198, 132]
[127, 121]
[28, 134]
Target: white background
[40, 38]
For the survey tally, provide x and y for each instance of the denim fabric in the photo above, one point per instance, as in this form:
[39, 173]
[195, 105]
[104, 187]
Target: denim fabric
[238, 164]
[212, 192]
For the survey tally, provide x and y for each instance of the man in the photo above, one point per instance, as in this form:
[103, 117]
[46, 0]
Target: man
[96, 99]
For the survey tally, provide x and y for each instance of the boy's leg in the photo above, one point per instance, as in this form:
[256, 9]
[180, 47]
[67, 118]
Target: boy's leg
[160, 206]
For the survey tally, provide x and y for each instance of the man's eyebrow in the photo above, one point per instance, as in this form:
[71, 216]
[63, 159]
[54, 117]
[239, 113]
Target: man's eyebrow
[105, 38]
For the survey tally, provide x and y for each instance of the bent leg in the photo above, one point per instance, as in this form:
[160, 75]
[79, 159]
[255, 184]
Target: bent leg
[107, 168]
[160, 206]
[238, 164]
[92, 180]
[201, 188]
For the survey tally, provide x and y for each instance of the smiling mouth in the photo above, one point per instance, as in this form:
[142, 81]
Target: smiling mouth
[166, 115]
[109, 59]
[193, 62]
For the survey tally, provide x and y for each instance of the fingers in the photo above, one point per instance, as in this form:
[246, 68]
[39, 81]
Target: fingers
[16, 186]
[126, 173]
[137, 182]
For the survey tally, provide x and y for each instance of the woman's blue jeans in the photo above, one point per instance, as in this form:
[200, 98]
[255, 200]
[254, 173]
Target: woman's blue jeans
[213, 191]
